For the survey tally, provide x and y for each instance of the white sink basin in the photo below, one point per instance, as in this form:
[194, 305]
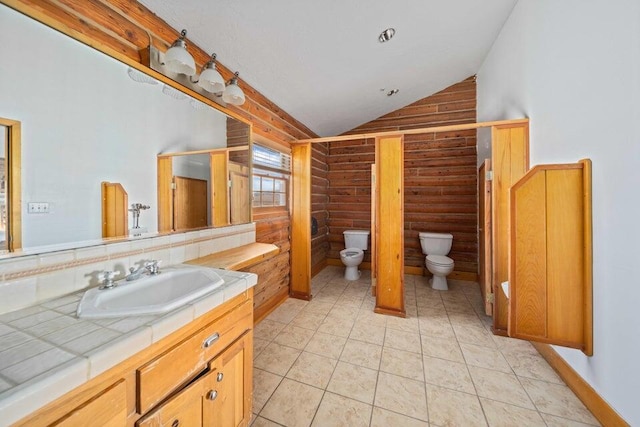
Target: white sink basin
[172, 288]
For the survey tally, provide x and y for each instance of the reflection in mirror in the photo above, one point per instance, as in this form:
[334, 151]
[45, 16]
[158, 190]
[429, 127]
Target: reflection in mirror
[89, 119]
[4, 216]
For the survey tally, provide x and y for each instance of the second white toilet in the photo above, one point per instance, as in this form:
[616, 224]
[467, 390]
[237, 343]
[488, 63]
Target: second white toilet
[436, 246]
[355, 242]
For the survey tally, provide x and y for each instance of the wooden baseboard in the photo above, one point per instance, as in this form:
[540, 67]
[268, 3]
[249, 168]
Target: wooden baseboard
[269, 305]
[390, 312]
[591, 399]
[300, 295]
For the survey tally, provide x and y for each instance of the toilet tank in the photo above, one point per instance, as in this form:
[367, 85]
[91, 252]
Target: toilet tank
[435, 243]
[356, 239]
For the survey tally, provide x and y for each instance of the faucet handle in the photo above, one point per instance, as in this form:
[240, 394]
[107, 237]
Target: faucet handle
[107, 279]
[153, 266]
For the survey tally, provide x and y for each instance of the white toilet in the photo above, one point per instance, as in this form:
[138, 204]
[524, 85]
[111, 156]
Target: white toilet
[355, 242]
[436, 246]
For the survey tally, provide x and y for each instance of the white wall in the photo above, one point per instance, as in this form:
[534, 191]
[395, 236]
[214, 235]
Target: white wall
[573, 67]
[85, 121]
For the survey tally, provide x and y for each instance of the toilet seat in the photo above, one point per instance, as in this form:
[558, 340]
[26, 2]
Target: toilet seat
[351, 252]
[439, 260]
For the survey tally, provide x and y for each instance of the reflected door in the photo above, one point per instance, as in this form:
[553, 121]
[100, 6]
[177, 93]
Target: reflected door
[4, 226]
[189, 203]
[240, 195]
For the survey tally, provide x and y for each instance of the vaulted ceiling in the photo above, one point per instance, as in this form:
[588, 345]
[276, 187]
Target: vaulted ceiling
[321, 61]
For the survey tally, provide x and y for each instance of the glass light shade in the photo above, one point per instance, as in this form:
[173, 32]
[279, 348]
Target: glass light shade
[211, 80]
[179, 60]
[233, 94]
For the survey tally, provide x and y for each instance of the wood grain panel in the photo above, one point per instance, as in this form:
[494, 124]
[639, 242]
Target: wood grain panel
[115, 210]
[301, 222]
[165, 194]
[529, 241]
[484, 235]
[219, 163]
[108, 409]
[565, 254]
[389, 238]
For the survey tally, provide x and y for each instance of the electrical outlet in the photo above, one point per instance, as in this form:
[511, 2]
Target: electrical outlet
[38, 207]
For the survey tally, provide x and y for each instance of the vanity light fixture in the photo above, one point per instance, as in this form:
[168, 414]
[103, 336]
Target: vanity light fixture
[232, 93]
[210, 79]
[178, 59]
[386, 35]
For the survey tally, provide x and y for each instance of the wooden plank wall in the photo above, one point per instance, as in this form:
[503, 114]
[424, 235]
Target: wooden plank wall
[127, 26]
[440, 177]
[319, 206]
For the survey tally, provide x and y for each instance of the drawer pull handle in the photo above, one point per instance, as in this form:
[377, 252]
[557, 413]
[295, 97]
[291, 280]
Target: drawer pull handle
[212, 395]
[175, 423]
[220, 376]
[211, 340]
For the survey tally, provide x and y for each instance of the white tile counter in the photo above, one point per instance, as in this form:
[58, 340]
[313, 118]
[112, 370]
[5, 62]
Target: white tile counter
[46, 351]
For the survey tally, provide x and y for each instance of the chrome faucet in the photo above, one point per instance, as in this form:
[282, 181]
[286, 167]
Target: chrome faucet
[153, 267]
[107, 280]
[135, 273]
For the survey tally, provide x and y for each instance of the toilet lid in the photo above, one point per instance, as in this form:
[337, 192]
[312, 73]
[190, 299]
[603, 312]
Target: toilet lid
[439, 259]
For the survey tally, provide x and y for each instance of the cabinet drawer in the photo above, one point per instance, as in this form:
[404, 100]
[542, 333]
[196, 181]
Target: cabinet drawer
[182, 362]
[182, 410]
[108, 408]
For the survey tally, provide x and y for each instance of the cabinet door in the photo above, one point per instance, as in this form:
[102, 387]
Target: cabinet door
[228, 395]
[108, 408]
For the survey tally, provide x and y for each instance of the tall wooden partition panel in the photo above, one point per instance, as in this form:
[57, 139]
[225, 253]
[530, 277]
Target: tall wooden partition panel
[301, 221]
[165, 194]
[550, 278]
[509, 162]
[484, 236]
[115, 210]
[389, 198]
[219, 163]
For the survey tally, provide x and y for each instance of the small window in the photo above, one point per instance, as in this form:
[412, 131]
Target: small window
[271, 173]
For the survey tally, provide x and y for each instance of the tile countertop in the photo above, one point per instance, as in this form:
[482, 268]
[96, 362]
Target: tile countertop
[46, 351]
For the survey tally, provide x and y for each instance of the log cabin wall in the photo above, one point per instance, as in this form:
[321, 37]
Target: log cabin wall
[319, 206]
[127, 26]
[440, 177]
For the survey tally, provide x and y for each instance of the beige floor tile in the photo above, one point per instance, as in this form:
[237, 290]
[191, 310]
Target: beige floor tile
[336, 326]
[264, 384]
[443, 348]
[268, 329]
[465, 319]
[407, 341]
[339, 411]
[318, 307]
[436, 328]
[343, 312]
[355, 382]
[286, 311]
[258, 346]
[367, 333]
[368, 317]
[362, 354]
[308, 320]
[557, 399]
[263, 422]
[384, 418]
[448, 374]
[553, 421]
[473, 335]
[326, 345]
[403, 363]
[401, 395]
[352, 302]
[409, 324]
[276, 358]
[453, 408]
[484, 357]
[500, 414]
[529, 363]
[292, 404]
[500, 386]
[294, 336]
[312, 369]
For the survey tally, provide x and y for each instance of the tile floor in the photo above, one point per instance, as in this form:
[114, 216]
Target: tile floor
[333, 362]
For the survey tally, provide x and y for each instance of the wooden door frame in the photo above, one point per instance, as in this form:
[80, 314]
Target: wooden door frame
[14, 183]
[484, 236]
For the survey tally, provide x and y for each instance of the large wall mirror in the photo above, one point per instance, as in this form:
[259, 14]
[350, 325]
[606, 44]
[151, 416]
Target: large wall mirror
[89, 119]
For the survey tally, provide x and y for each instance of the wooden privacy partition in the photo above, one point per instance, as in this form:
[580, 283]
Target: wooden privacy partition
[550, 276]
[115, 210]
[389, 235]
[509, 162]
[301, 221]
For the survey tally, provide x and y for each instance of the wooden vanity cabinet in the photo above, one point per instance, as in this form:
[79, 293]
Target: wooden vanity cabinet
[200, 375]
